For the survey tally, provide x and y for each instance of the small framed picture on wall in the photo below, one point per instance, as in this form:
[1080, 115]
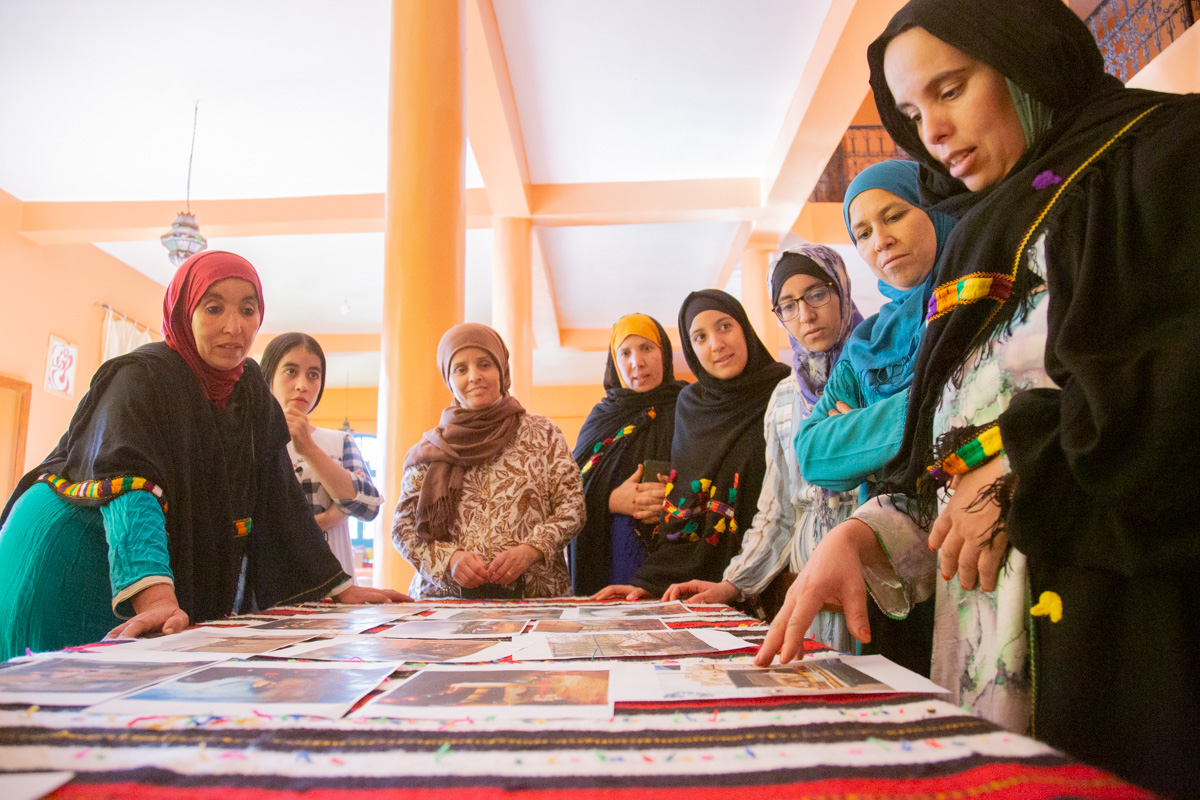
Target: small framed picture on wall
[61, 358]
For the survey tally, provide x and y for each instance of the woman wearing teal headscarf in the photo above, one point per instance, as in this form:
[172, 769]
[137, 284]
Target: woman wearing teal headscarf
[868, 390]
[858, 424]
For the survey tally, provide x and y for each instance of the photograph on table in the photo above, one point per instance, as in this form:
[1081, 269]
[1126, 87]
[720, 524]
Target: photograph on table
[378, 648]
[511, 612]
[452, 629]
[629, 610]
[319, 689]
[624, 644]
[713, 680]
[69, 681]
[598, 625]
[528, 691]
[321, 622]
[205, 642]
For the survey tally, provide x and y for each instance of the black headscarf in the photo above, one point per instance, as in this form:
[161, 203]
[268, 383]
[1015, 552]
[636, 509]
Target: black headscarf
[652, 415]
[1043, 48]
[146, 415]
[718, 457]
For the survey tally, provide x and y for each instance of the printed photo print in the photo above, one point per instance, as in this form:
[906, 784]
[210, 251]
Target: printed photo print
[507, 687]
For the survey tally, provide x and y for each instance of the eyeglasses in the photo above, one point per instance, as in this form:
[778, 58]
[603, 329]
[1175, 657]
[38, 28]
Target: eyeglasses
[813, 298]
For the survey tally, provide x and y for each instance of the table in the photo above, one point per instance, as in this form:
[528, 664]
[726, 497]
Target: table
[875, 746]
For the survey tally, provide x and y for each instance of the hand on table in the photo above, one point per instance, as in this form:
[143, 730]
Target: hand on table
[621, 592]
[467, 569]
[961, 531]
[702, 592]
[512, 563]
[358, 595]
[155, 609]
[831, 578]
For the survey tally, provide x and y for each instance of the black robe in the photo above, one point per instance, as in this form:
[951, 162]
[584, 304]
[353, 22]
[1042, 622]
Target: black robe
[591, 550]
[145, 415]
[1105, 464]
[718, 461]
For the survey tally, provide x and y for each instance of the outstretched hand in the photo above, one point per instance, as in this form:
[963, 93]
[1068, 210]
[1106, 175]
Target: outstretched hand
[155, 610]
[358, 595]
[831, 579]
[621, 592]
[702, 592]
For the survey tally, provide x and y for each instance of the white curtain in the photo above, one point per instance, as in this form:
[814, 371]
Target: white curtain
[121, 335]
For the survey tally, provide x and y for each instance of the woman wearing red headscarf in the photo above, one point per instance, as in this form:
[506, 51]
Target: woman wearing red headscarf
[171, 484]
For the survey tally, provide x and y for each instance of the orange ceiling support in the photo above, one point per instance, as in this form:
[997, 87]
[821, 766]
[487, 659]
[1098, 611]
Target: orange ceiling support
[822, 222]
[827, 98]
[114, 221]
[740, 239]
[493, 126]
[618, 203]
[424, 241]
[545, 307]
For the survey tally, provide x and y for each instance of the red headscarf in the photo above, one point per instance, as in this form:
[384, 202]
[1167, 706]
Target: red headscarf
[184, 293]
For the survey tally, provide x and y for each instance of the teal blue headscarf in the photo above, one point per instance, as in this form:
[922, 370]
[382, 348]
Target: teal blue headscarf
[883, 349]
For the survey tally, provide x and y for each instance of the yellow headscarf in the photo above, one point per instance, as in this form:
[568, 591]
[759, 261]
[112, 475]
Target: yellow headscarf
[632, 325]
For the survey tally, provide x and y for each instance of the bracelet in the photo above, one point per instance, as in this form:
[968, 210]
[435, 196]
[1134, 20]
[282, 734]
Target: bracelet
[983, 445]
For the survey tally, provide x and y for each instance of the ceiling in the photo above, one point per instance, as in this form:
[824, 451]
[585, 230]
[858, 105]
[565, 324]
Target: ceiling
[744, 98]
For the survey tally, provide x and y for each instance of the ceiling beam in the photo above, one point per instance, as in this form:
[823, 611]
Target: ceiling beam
[493, 126]
[642, 202]
[720, 199]
[740, 240]
[51, 223]
[545, 304]
[826, 99]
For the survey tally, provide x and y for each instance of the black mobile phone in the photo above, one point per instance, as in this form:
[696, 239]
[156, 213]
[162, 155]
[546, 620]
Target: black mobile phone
[654, 468]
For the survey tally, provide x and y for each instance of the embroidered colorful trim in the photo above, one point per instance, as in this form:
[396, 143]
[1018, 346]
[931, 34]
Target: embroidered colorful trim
[100, 492]
[598, 450]
[703, 503]
[969, 289]
[982, 448]
[242, 527]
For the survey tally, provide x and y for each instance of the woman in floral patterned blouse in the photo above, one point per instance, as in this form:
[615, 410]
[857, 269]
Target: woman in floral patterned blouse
[491, 496]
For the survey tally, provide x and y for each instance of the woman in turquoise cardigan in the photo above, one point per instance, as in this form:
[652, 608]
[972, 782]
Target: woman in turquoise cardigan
[857, 425]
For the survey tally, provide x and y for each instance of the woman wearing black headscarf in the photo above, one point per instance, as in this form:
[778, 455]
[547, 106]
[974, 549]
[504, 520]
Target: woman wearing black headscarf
[1071, 189]
[631, 425]
[717, 452]
[171, 496]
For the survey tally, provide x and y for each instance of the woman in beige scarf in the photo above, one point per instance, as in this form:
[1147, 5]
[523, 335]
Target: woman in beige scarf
[491, 496]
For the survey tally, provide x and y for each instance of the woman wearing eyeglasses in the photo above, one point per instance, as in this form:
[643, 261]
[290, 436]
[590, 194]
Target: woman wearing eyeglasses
[810, 293]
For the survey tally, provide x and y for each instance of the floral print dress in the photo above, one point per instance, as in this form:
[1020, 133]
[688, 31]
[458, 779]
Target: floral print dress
[530, 494]
[980, 639]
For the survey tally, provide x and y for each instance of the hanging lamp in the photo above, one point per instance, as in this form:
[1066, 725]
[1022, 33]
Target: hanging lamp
[184, 239]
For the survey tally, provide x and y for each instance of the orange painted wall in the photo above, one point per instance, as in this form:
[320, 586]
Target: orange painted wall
[55, 289]
[358, 404]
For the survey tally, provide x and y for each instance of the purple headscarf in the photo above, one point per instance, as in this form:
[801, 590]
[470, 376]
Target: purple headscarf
[813, 369]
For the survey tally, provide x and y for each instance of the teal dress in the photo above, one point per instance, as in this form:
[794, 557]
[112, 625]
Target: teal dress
[76, 565]
[152, 481]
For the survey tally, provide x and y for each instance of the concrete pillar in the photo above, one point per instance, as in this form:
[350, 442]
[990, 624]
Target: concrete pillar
[424, 239]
